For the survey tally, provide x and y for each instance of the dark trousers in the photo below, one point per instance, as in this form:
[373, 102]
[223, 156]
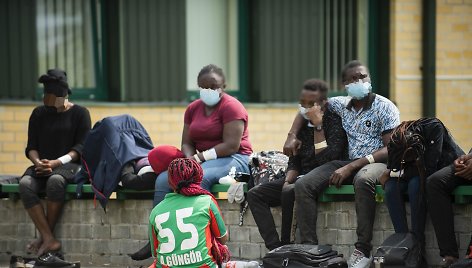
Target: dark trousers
[439, 187]
[272, 194]
[394, 197]
[307, 190]
[309, 187]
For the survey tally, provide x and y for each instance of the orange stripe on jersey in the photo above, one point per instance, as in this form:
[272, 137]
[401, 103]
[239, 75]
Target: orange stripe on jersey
[214, 224]
[209, 239]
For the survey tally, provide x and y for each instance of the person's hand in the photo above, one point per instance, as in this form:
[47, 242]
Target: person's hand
[340, 175]
[291, 145]
[459, 163]
[466, 171]
[286, 184]
[43, 167]
[315, 114]
[384, 178]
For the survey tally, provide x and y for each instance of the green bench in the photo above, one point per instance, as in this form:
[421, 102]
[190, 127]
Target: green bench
[462, 194]
[219, 190]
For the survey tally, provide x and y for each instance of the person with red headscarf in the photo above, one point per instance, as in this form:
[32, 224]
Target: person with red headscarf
[187, 229]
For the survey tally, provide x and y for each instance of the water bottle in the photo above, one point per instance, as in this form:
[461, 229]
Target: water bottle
[241, 264]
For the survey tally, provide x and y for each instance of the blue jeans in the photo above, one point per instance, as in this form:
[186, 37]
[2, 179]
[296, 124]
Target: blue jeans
[394, 196]
[213, 170]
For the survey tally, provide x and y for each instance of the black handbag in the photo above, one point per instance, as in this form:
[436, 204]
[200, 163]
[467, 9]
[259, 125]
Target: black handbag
[400, 250]
[299, 256]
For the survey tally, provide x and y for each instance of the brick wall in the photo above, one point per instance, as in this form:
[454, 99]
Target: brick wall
[100, 239]
[405, 55]
[454, 67]
[268, 127]
[453, 63]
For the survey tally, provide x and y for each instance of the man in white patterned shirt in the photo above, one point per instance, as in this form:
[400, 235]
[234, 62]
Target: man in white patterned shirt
[368, 120]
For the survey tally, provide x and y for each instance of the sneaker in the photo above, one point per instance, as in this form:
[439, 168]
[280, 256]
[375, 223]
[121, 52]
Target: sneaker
[359, 260]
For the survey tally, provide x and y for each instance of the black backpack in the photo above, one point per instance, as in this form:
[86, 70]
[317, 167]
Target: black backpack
[302, 255]
[400, 250]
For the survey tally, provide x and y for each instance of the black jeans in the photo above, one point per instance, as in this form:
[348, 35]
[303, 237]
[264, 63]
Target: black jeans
[272, 194]
[439, 187]
[308, 188]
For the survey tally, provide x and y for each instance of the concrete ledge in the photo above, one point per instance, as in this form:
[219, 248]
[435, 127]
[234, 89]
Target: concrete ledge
[100, 239]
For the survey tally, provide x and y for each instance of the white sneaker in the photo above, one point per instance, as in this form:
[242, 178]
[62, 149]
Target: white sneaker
[358, 260]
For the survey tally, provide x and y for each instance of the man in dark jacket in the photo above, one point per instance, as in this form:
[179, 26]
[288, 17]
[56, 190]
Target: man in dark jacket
[322, 139]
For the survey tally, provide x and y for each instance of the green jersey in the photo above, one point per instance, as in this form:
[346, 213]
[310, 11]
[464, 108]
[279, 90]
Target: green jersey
[181, 228]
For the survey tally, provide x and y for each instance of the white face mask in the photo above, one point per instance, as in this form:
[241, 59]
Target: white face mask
[210, 96]
[302, 110]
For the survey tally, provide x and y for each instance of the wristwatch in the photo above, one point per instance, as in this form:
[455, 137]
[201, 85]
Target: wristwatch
[318, 128]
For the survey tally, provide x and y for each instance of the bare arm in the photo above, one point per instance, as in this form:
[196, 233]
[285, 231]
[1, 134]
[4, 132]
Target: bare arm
[223, 239]
[232, 134]
[292, 144]
[188, 148]
[45, 166]
[341, 174]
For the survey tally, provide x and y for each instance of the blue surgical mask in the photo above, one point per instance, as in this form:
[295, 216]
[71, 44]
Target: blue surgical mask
[210, 96]
[358, 90]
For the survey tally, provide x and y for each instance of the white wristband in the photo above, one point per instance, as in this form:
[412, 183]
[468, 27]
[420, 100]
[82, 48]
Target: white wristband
[396, 173]
[321, 145]
[209, 154]
[370, 158]
[197, 158]
[65, 159]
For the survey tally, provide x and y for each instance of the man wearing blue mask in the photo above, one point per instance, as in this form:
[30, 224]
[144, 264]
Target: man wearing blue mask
[368, 120]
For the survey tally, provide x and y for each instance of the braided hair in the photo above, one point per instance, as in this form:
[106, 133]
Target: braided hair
[406, 145]
[185, 176]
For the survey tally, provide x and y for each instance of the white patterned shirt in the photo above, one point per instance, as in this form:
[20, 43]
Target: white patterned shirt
[364, 128]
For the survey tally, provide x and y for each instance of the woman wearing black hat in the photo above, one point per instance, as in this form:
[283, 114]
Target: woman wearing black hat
[56, 132]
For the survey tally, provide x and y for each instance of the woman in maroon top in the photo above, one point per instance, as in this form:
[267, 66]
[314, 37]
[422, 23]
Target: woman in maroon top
[215, 134]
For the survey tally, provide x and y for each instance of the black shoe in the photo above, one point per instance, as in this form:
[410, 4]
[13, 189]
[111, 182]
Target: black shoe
[50, 259]
[142, 254]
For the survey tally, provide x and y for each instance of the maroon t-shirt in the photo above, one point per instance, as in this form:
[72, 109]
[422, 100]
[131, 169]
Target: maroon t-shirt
[207, 131]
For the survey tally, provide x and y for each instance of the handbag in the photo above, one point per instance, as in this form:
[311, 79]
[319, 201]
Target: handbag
[399, 250]
[299, 256]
